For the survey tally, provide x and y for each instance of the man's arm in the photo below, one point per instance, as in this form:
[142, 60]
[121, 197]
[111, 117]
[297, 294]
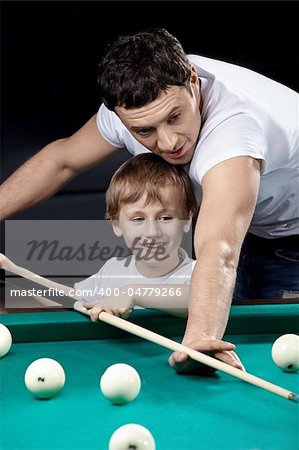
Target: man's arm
[52, 167]
[230, 192]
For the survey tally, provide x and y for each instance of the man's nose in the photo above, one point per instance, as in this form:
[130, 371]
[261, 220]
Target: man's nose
[166, 140]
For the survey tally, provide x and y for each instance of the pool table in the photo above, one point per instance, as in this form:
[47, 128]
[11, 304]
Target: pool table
[183, 412]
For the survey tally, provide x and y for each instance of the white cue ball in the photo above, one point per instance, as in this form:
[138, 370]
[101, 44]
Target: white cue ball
[5, 340]
[120, 383]
[285, 352]
[44, 377]
[132, 437]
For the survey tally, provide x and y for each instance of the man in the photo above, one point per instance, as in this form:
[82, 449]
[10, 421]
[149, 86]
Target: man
[234, 131]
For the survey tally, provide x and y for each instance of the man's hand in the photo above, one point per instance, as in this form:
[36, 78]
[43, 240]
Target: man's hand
[224, 351]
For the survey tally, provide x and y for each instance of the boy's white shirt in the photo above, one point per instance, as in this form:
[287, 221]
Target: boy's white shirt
[117, 273]
[244, 114]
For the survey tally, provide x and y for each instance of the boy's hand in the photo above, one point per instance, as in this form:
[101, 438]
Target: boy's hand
[120, 306]
[119, 312]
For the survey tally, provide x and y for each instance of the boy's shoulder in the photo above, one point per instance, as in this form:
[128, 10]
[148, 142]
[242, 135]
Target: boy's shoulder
[186, 266]
[118, 262]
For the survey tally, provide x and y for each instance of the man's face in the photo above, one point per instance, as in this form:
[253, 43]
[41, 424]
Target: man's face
[169, 126]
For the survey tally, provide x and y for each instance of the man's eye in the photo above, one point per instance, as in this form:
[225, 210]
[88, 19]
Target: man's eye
[144, 132]
[175, 117]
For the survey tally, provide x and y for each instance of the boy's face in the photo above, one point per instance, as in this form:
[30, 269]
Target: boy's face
[169, 126]
[153, 231]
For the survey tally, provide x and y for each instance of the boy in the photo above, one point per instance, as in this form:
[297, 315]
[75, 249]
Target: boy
[151, 213]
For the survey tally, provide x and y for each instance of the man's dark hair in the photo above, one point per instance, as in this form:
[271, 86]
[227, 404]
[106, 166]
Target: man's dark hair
[136, 68]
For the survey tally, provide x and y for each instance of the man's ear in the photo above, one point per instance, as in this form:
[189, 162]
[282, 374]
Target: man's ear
[116, 228]
[187, 224]
[193, 76]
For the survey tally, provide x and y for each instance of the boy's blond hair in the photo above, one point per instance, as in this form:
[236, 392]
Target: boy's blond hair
[148, 174]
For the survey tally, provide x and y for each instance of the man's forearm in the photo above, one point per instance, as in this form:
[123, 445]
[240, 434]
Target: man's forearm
[37, 179]
[212, 286]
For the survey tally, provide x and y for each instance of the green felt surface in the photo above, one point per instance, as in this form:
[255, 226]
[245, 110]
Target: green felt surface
[182, 412]
[37, 326]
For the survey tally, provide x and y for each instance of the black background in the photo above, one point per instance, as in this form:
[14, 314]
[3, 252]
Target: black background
[50, 50]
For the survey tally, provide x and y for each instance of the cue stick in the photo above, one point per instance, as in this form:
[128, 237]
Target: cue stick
[7, 264]
[156, 338]
[194, 354]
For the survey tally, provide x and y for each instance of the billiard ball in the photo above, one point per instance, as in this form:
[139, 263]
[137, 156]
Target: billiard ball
[285, 352]
[120, 383]
[44, 377]
[132, 436]
[5, 340]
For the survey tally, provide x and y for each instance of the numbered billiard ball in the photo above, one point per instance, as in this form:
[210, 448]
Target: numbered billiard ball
[132, 436]
[44, 377]
[285, 352]
[120, 383]
[5, 340]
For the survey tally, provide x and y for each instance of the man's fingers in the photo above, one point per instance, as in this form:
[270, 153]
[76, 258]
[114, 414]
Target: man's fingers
[177, 357]
[230, 358]
[203, 346]
[182, 363]
[211, 345]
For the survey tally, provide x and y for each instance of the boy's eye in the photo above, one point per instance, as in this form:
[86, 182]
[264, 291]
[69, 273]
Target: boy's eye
[165, 218]
[137, 219]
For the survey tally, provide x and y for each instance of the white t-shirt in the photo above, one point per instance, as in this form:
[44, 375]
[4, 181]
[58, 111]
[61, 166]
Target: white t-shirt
[244, 114]
[119, 272]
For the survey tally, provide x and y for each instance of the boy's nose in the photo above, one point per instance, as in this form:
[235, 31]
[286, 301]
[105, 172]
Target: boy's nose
[153, 228]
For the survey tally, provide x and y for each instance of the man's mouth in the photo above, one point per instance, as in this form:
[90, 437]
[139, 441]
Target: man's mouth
[176, 153]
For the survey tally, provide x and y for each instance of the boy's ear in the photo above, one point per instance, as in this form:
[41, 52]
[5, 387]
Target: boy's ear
[116, 228]
[187, 224]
